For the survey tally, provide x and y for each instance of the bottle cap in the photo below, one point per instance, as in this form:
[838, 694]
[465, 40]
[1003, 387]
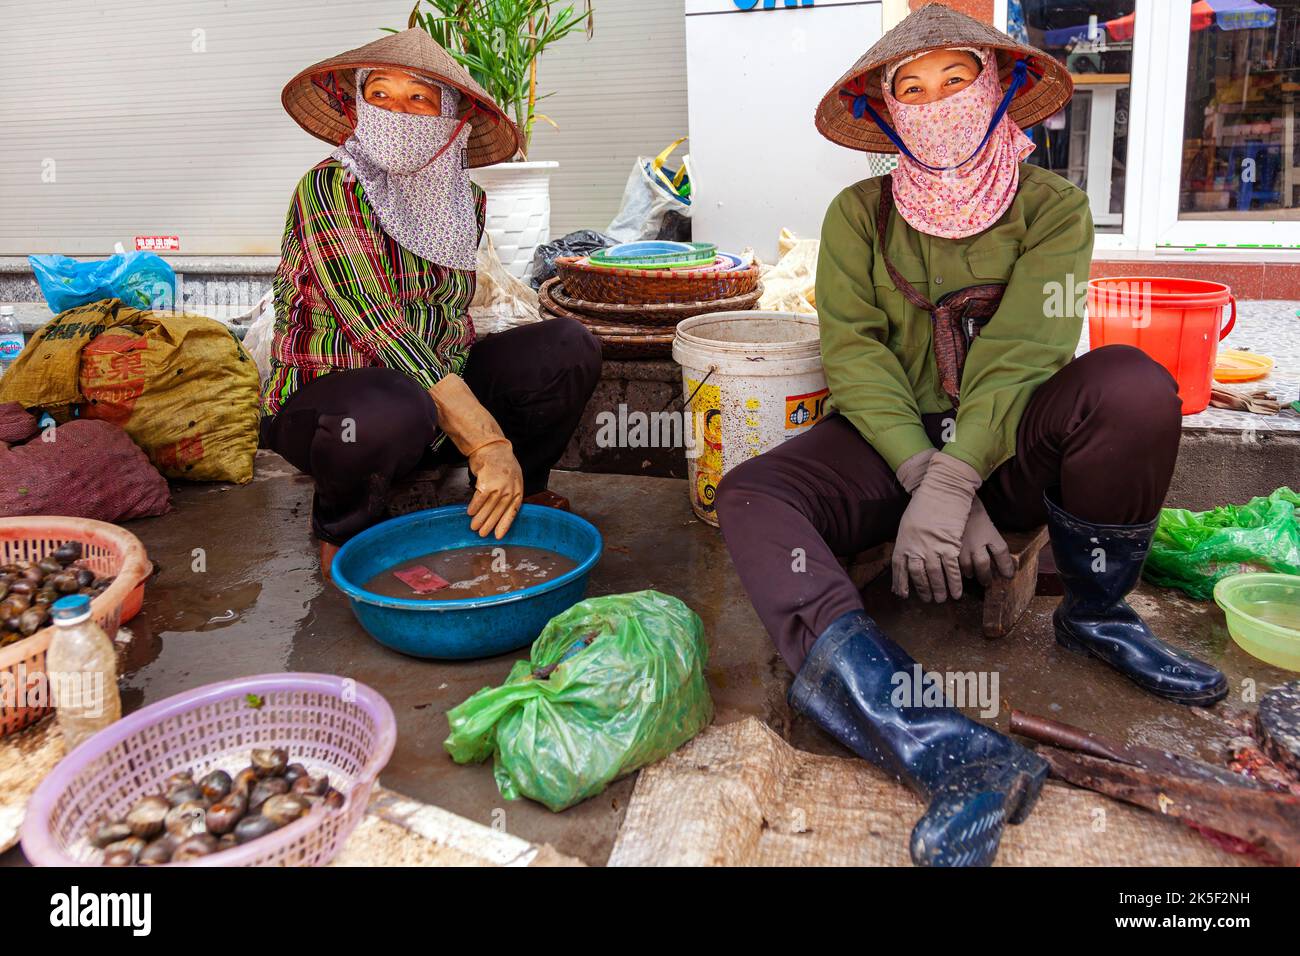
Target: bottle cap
[72, 609]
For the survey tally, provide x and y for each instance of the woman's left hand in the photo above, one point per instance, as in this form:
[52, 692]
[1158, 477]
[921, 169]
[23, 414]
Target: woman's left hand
[498, 489]
[983, 550]
[498, 479]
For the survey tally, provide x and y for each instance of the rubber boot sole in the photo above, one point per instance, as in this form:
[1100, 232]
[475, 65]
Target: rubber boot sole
[963, 827]
[1203, 699]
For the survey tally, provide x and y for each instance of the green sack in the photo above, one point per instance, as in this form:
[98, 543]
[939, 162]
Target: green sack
[1192, 550]
[612, 684]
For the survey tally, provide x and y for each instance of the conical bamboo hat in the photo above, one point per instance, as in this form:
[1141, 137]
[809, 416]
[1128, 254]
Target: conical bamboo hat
[320, 98]
[935, 27]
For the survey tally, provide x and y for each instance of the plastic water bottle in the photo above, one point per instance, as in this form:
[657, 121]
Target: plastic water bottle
[82, 668]
[11, 338]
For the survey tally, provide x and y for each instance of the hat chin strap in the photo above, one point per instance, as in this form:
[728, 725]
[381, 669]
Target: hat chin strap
[454, 133]
[1019, 76]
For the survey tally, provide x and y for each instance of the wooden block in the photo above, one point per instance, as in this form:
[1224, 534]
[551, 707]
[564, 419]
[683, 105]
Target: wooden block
[868, 565]
[1005, 600]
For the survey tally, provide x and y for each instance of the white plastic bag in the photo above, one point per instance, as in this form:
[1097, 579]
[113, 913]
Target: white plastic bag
[649, 196]
[790, 285]
[257, 340]
[501, 301]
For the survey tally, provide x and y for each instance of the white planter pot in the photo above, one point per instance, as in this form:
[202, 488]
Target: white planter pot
[518, 209]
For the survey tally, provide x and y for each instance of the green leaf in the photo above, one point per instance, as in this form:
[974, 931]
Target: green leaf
[498, 41]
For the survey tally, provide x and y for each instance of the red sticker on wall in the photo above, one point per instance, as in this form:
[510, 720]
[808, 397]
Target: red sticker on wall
[158, 243]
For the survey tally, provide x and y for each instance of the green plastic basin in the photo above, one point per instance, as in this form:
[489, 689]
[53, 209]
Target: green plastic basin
[1263, 612]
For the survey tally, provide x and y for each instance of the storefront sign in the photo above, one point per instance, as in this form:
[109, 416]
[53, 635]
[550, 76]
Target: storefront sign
[771, 4]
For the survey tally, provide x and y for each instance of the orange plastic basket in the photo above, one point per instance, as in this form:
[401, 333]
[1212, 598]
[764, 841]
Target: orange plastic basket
[109, 550]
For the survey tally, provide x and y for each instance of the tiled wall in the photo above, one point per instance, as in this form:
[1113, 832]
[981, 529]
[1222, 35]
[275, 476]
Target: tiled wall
[1249, 280]
[979, 9]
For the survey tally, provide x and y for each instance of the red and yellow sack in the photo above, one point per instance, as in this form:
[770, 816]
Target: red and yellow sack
[180, 385]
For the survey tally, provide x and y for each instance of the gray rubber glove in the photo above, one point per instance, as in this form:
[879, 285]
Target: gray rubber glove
[983, 549]
[927, 549]
[912, 471]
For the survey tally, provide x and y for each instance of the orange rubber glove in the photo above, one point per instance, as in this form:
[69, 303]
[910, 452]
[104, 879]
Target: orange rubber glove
[498, 479]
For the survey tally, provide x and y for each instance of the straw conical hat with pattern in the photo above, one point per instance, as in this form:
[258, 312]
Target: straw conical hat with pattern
[935, 27]
[322, 98]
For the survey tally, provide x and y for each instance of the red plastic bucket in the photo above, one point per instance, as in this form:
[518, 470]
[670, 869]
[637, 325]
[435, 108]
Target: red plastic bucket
[1178, 322]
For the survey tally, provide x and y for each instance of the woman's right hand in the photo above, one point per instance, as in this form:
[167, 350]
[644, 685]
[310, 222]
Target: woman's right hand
[927, 548]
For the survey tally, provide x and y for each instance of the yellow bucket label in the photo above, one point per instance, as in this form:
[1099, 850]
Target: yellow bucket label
[707, 420]
[803, 411]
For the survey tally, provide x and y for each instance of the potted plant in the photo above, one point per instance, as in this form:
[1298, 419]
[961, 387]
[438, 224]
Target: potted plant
[500, 42]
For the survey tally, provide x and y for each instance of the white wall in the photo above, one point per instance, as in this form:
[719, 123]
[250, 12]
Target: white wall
[620, 95]
[755, 78]
[116, 126]
[150, 128]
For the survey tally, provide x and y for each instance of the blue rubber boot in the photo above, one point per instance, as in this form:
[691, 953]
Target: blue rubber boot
[975, 779]
[1099, 565]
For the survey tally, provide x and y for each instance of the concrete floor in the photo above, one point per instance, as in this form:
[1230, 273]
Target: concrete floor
[239, 592]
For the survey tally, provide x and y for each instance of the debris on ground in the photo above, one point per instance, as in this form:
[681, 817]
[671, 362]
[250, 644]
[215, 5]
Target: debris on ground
[739, 795]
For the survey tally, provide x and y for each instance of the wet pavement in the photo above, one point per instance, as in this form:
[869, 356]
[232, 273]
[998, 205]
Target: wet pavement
[239, 593]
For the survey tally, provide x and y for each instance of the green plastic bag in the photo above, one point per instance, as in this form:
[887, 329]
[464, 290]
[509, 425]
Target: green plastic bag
[1192, 550]
[612, 684]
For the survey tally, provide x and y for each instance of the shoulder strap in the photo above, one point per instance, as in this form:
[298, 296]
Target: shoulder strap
[906, 288]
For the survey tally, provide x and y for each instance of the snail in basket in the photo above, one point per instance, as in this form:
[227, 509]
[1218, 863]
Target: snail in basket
[194, 818]
[28, 588]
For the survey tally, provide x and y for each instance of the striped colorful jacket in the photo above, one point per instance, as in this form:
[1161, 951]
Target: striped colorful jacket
[348, 296]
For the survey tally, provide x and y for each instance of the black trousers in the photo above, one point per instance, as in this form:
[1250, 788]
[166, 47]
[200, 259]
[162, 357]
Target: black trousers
[1103, 432]
[356, 432]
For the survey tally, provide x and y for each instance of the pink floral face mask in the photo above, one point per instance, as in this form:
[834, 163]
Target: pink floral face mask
[955, 201]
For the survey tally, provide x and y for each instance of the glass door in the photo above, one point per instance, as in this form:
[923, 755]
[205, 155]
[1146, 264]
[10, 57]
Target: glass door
[1239, 131]
[1087, 142]
[1229, 169]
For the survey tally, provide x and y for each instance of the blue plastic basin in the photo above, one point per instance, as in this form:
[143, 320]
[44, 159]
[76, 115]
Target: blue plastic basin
[467, 627]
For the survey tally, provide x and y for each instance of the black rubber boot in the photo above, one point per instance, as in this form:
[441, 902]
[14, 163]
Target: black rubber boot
[975, 779]
[1099, 565]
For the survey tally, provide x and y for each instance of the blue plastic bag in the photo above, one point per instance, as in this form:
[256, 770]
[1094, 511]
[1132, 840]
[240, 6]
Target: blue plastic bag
[141, 280]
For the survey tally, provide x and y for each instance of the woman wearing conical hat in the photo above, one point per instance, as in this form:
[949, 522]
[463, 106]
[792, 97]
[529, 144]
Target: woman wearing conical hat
[375, 363]
[949, 295]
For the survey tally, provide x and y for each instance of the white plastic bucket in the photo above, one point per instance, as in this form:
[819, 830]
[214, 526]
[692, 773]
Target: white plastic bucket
[750, 380]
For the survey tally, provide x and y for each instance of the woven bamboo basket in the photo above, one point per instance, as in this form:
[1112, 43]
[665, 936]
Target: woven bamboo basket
[665, 314]
[621, 341]
[645, 286]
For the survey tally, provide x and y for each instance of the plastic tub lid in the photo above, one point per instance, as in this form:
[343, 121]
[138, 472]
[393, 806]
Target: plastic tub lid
[1234, 365]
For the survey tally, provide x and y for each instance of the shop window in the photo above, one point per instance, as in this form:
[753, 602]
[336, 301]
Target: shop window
[1239, 133]
[1087, 141]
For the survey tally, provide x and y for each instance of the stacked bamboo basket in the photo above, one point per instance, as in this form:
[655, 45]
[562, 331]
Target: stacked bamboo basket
[632, 296]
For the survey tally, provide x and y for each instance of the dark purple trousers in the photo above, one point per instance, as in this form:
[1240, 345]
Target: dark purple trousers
[356, 432]
[1103, 433]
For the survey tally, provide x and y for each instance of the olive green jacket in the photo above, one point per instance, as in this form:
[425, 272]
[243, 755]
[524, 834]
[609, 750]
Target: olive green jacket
[877, 347]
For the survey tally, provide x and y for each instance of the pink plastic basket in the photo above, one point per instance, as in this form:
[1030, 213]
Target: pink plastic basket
[328, 724]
